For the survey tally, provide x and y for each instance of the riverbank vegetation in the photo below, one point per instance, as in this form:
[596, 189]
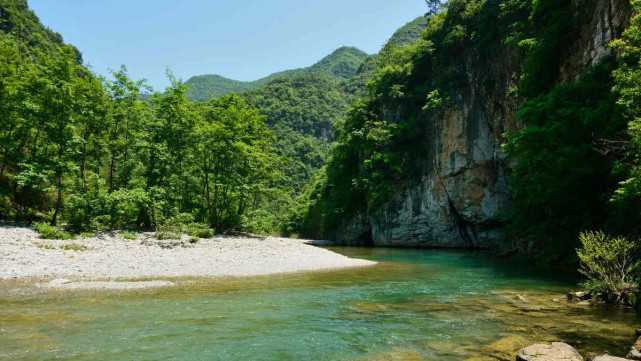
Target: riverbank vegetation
[80, 150]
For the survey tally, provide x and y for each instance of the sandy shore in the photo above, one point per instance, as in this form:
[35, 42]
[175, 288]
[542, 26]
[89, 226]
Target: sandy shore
[109, 257]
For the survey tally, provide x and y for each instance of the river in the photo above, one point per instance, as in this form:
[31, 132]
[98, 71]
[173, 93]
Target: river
[414, 305]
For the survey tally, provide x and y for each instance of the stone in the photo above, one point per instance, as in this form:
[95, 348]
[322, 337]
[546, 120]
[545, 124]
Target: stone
[557, 351]
[605, 358]
[634, 354]
[635, 351]
[579, 296]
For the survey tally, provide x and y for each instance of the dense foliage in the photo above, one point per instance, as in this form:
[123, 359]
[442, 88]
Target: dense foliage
[86, 152]
[574, 150]
[627, 79]
[561, 182]
[302, 112]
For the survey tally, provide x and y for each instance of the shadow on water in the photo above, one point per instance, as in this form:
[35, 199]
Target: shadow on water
[413, 305]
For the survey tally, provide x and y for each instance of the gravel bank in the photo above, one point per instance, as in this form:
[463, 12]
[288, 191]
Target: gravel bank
[109, 256]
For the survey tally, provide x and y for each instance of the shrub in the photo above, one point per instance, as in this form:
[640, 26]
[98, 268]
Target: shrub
[193, 240]
[199, 230]
[181, 219]
[610, 265]
[124, 206]
[51, 232]
[165, 232]
[181, 223]
[86, 235]
[129, 235]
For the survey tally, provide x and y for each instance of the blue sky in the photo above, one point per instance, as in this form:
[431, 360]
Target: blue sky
[243, 39]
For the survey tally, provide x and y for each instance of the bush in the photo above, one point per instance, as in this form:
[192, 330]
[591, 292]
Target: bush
[193, 240]
[181, 223]
[610, 264]
[199, 230]
[163, 233]
[129, 235]
[51, 232]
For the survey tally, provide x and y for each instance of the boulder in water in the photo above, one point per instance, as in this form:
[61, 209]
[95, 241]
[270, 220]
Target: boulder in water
[606, 358]
[635, 351]
[579, 296]
[557, 351]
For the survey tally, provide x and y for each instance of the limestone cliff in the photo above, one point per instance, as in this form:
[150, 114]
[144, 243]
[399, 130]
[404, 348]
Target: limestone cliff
[463, 180]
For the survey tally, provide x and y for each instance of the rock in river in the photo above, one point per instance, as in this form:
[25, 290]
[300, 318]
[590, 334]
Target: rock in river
[605, 358]
[557, 351]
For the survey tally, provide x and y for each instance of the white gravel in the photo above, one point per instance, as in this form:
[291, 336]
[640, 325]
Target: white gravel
[109, 256]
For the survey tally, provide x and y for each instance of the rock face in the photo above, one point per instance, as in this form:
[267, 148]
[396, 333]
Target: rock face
[462, 180]
[557, 351]
[605, 358]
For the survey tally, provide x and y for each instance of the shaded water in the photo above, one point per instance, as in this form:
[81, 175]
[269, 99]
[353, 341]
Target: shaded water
[414, 305]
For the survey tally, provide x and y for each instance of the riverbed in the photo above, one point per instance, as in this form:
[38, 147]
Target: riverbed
[412, 305]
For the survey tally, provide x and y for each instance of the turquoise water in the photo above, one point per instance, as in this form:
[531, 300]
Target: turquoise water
[414, 305]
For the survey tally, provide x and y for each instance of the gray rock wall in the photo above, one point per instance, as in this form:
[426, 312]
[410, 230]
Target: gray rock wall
[463, 179]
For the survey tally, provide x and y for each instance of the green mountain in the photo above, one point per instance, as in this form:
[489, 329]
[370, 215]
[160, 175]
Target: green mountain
[303, 110]
[20, 25]
[339, 65]
[406, 35]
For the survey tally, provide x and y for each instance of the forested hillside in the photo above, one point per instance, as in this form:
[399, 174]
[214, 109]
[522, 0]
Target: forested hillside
[88, 153]
[339, 65]
[303, 111]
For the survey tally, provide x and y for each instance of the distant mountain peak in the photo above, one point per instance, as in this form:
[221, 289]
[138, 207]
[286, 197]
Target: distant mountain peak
[341, 64]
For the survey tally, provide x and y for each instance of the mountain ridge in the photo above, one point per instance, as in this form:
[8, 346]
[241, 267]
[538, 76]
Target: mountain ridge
[341, 64]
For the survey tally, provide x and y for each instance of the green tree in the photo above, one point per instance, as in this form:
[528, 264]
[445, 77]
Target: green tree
[628, 84]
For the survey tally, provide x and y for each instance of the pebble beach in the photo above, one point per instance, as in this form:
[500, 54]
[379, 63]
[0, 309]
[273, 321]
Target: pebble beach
[99, 261]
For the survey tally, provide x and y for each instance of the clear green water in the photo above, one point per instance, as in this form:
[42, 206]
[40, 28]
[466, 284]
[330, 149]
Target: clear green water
[415, 305]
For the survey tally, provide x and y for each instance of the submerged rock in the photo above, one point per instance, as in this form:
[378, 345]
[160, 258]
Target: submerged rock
[579, 296]
[635, 351]
[605, 358]
[557, 351]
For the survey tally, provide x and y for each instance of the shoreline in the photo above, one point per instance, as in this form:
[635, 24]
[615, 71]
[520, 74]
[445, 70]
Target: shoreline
[98, 262]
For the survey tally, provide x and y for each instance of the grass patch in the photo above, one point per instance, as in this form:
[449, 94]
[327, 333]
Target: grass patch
[165, 234]
[64, 247]
[51, 232]
[46, 246]
[86, 234]
[129, 235]
[73, 247]
[193, 240]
